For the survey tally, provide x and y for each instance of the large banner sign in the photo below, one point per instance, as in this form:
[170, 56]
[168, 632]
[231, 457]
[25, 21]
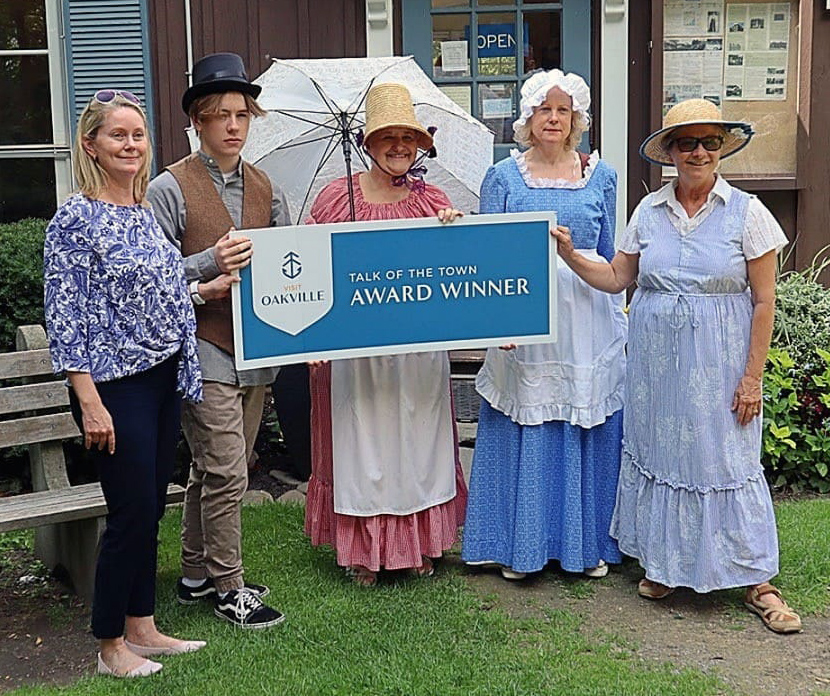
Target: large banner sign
[315, 292]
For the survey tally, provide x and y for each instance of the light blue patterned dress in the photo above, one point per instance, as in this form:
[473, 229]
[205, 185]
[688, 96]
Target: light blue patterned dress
[692, 503]
[547, 454]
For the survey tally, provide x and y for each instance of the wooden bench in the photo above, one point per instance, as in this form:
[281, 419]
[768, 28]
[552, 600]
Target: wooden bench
[35, 412]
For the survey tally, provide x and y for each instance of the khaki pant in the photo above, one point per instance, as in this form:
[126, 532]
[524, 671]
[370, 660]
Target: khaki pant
[221, 432]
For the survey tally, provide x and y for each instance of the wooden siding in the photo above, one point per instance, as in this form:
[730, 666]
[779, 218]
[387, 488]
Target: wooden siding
[258, 30]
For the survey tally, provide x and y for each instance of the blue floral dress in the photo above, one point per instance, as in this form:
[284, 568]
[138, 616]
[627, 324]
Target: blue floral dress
[547, 454]
[692, 503]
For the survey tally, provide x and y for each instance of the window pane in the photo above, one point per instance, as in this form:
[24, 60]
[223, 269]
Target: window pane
[27, 189]
[460, 94]
[496, 108]
[22, 24]
[450, 3]
[450, 45]
[543, 31]
[25, 112]
[496, 42]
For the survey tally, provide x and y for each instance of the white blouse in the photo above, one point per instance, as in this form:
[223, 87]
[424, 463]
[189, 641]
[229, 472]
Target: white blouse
[761, 234]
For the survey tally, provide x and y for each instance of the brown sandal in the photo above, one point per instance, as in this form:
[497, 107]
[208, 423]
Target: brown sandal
[361, 575]
[778, 618]
[425, 570]
[653, 590]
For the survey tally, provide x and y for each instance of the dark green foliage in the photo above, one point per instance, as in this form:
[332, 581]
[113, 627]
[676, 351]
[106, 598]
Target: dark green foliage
[21, 270]
[802, 318]
[796, 449]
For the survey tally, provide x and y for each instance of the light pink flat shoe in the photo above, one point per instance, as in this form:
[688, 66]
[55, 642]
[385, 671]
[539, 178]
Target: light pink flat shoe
[145, 669]
[184, 646]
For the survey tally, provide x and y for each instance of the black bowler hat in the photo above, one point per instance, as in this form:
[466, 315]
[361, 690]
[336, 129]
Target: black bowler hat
[218, 73]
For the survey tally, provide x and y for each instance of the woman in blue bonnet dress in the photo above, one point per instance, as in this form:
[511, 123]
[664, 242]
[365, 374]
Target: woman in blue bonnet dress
[547, 451]
[121, 326]
[693, 505]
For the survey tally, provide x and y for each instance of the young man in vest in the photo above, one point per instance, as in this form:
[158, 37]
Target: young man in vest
[197, 201]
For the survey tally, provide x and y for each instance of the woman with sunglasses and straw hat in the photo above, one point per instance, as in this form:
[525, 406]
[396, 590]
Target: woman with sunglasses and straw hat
[121, 326]
[386, 490]
[692, 503]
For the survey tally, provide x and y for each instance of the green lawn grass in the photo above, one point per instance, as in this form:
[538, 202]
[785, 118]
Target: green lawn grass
[411, 637]
[804, 537]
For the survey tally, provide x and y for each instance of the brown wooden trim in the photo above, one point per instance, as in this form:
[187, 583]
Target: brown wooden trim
[805, 63]
[639, 101]
[779, 183]
[656, 110]
[397, 27]
[813, 211]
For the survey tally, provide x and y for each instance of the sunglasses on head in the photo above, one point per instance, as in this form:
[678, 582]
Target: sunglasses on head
[105, 96]
[709, 142]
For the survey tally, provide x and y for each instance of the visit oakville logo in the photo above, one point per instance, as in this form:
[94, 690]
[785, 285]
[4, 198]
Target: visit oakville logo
[291, 267]
[300, 293]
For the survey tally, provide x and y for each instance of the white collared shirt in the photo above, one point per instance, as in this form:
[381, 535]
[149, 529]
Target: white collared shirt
[761, 234]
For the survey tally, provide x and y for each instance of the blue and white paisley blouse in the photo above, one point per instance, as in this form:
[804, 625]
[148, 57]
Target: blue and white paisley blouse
[115, 296]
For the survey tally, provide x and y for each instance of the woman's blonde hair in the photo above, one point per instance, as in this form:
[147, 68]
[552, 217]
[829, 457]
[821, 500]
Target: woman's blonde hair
[579, 125]
[207, 106]
[91, 177]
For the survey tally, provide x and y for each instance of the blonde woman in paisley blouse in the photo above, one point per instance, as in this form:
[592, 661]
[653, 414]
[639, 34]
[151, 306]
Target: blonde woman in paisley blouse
[121, 326]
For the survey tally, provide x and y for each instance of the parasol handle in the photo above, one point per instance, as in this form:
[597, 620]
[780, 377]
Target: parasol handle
[346, 143]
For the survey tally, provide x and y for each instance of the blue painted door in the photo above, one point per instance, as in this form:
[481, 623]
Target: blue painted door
[479, 52]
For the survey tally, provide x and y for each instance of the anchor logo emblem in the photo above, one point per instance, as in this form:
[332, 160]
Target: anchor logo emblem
[291, 266]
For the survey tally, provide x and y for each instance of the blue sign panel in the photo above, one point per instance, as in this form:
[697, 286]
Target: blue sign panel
[497, 40]
[378, 288]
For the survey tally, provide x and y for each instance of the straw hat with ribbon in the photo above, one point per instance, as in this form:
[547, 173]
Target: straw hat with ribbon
[389, 105]
[693, 112]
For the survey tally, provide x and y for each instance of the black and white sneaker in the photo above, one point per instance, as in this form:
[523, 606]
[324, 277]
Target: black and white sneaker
[246, 610]
[192, 595]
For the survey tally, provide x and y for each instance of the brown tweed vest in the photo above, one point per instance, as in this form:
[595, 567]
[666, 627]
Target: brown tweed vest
[207, 222]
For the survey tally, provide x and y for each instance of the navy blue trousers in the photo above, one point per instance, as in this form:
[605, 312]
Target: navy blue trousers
[145, 410]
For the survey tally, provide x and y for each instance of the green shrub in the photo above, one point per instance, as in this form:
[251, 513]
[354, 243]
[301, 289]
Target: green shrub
[802, 316]
[21, 268]
[796, 439]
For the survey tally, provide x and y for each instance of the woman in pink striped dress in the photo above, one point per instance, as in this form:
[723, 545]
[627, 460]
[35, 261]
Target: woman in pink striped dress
[386, 488]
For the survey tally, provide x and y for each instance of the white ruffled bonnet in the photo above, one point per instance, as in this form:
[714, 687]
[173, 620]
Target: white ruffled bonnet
[536, 88]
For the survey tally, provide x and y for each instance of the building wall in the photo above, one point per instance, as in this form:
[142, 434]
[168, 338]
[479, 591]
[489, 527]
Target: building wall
[258, 30]
[813, 206]
[801, 205]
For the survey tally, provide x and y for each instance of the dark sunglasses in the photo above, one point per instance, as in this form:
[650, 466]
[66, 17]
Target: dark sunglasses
[709, 142]
[105, 96]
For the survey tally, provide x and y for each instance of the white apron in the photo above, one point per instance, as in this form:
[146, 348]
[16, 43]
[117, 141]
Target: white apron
[392, 438]
[579, 379]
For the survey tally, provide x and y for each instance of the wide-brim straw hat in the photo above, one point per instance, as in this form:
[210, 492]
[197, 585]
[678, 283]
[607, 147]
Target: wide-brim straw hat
[693, 112]
[389, 105]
